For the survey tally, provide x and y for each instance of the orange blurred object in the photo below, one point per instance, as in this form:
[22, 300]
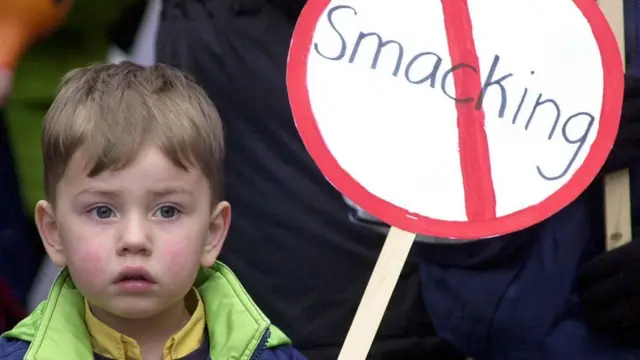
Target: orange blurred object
[22, 22]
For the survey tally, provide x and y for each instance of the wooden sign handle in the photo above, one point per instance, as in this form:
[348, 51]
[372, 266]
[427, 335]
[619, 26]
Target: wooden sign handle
[377, 294]
[617, 194]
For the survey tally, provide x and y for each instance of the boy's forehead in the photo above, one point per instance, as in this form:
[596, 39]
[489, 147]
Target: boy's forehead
[150, 168]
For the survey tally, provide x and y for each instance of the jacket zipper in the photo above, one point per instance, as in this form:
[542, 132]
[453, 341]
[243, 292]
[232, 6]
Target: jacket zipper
[262, 345]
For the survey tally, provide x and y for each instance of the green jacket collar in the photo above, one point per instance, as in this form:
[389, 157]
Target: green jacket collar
[56, 329]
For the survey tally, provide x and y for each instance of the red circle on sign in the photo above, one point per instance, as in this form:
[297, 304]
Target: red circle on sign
[613, 81]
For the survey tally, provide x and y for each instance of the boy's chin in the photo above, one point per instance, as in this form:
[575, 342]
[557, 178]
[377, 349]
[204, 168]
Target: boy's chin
[135, 309]
[130, 314]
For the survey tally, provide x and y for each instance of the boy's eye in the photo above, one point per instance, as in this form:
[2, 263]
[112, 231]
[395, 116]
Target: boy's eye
[102, 212]
[167, 211]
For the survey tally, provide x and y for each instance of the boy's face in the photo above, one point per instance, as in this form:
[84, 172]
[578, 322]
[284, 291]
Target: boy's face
[133, 239]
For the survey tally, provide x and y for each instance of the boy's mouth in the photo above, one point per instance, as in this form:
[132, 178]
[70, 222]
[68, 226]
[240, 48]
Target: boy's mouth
[134, 274]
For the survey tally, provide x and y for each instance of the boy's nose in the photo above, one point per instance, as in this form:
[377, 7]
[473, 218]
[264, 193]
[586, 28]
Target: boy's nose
[134, 238]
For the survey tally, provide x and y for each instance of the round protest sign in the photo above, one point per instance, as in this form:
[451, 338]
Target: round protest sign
[456, 119]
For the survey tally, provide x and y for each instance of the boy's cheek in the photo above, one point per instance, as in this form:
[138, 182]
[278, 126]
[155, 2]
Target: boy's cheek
[176, 256]
[88, 264]
[179, 260]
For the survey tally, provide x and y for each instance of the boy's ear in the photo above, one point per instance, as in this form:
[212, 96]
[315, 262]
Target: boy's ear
[218, 228]
[48, 229]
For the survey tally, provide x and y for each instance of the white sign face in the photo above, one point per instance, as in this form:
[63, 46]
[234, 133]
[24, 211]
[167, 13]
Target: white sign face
[459, 119]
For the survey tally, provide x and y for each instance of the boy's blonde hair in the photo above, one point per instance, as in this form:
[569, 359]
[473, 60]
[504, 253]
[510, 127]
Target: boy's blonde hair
[111, 111]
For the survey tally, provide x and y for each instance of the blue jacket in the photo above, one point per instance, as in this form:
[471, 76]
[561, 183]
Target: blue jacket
[237, 328]
[514, 297]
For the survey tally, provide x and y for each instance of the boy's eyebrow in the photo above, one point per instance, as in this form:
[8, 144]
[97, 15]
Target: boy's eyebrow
[99, 192]
[169, 190]
[159, 192]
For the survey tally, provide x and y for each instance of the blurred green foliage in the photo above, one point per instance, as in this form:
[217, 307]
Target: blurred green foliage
[81, 40]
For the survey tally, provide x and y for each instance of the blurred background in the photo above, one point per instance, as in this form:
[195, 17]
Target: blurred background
[83, 37]
[63, 34]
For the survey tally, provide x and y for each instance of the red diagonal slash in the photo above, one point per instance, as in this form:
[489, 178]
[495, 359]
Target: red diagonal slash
[480, 198]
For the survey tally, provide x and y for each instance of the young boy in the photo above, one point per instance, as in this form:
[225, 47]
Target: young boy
[133, 212]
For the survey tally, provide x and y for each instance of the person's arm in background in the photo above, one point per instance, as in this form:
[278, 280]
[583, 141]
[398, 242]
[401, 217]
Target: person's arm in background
[610, 283]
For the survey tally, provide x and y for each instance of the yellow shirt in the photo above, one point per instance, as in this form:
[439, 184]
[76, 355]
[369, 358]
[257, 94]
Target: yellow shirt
[111, 344]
